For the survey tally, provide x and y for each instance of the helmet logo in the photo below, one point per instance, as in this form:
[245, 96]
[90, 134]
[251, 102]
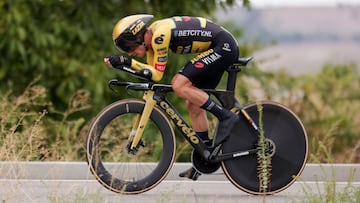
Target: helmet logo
[137, 27]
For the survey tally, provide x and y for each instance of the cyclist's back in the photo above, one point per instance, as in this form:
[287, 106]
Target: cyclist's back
[188, 34]
[184, 35]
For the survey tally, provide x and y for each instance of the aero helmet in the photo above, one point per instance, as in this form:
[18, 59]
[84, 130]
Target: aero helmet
[129, 32]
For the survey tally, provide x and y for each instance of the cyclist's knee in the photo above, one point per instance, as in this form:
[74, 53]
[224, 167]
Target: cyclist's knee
[179, 84]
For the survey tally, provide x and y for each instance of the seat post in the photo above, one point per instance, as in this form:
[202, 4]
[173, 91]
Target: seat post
[232, 73]
[233, 70]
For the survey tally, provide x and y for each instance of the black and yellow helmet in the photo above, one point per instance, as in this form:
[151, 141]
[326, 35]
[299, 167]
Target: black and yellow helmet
[129, 31]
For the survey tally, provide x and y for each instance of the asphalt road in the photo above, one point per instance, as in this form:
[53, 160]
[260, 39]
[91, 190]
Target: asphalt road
[167, 192]
[22, 182]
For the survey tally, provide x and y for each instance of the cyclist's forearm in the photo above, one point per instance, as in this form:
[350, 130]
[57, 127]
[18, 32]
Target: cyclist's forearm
[156, 75]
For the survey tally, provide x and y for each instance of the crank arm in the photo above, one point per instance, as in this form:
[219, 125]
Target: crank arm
[227, 156]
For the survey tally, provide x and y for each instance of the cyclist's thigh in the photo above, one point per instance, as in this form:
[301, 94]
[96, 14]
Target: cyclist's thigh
[206, 69]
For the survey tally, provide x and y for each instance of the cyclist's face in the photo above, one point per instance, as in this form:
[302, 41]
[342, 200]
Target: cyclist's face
[139, 51]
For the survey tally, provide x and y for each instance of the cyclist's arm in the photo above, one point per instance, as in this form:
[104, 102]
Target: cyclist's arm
[157, 56]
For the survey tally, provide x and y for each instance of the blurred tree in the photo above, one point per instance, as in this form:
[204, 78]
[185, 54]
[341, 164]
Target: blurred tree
[65, 41]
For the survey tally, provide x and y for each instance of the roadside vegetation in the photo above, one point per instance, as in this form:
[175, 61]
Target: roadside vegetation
[327, 102]
[32, 128]
[53, 82]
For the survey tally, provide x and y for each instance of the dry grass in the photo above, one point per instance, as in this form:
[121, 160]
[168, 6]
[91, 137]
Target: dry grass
[27, 132]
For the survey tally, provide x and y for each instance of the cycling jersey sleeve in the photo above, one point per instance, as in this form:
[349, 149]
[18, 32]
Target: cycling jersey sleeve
[160, 46]
[157, 56]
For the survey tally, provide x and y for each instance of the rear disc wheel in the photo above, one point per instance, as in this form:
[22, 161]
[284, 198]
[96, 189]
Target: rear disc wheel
[287, 136]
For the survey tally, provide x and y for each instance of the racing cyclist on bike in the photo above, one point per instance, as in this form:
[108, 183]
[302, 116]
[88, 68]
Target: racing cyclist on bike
[217, 50]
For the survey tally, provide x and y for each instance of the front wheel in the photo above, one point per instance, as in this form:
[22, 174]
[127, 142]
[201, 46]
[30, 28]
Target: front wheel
[287, 154]
[114, 164]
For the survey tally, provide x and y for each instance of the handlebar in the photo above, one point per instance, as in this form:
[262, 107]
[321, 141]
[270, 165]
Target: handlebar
[129, 85]
[144, 74]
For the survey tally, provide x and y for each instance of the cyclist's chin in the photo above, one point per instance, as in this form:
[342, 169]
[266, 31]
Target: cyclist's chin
[137, 55]
[140, 55]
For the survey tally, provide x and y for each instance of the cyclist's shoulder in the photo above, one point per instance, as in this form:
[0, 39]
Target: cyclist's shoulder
[162, 24]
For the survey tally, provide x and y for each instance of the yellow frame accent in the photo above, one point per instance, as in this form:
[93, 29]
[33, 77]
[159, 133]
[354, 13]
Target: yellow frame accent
[245, 114]
[141, 124]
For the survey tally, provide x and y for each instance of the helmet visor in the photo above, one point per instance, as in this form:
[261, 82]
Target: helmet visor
[125, 45]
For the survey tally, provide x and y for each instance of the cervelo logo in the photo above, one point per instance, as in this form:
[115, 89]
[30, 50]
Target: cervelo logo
[190, 133]
[186, 33]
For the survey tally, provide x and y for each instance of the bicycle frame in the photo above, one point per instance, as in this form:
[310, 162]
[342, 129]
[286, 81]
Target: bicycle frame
[228, 100]
[155, 94]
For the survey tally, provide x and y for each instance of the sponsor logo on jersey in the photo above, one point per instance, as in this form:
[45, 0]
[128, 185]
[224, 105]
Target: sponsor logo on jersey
[226, 47]
[199, 65]
[159, 40]
[160, 67]
[187, 49]
[202, 55]
[161, 51]
[211, 58]
[162, 59]
[193, 33]
[187, 18]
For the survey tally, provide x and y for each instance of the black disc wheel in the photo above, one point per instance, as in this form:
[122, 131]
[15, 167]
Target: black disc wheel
[286, 149]
[114, 163]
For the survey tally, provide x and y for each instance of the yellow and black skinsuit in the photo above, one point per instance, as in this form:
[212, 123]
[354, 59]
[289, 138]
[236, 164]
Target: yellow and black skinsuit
[217, 47]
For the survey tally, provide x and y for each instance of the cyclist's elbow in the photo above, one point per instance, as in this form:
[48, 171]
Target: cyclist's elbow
[157, 76]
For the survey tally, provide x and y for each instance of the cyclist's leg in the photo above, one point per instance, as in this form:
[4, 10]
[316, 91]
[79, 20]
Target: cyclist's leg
[198, 118]
[184, 88]
[206, 72]
[200, 126]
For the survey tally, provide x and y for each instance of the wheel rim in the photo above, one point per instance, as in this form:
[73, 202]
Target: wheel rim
[114, 166]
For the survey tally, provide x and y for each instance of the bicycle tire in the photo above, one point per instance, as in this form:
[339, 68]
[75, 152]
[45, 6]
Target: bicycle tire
[108, 157]
[288, 134]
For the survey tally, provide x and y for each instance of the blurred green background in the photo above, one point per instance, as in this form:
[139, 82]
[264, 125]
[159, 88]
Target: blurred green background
[53, 80]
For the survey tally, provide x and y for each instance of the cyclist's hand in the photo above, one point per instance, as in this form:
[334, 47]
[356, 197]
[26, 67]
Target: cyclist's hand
[117, 61]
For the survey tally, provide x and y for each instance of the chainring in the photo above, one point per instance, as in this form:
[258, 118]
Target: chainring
[202, 165]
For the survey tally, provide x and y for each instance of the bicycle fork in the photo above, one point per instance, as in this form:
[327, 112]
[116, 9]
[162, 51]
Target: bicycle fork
[140, 121]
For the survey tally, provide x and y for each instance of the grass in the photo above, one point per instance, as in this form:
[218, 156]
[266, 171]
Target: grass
[78, 196]
[330, 191]
[29, 130]
[21, 131]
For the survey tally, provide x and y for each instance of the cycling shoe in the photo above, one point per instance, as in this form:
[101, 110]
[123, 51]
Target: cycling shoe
[224, 128]
[191, 173]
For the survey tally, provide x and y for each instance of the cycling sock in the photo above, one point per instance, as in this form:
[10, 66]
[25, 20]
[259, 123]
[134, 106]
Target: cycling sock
[214, 108]
[203, 135]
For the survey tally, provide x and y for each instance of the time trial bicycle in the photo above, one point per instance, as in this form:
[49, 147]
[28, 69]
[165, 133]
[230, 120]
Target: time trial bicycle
[131, 144]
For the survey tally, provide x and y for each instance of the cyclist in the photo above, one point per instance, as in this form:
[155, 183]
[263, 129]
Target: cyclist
[217, 50]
